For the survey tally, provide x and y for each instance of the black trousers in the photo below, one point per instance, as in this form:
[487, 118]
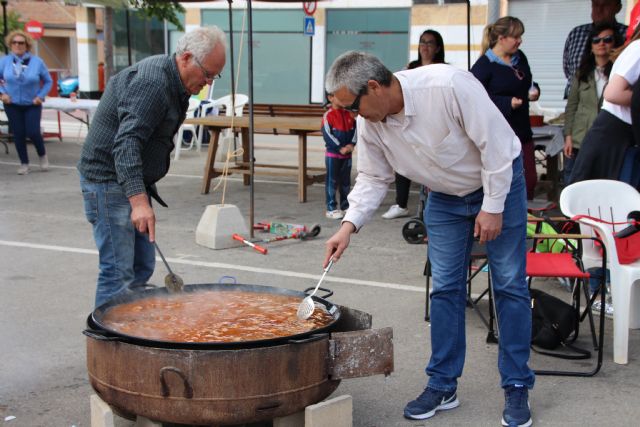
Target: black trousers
[603, 148]
[403, 185]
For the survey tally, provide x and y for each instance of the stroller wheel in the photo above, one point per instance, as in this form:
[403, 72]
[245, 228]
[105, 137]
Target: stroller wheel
[414, 231]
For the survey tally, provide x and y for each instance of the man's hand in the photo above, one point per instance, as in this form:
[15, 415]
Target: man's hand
[6, 99]
[142, 215]
[37, 101]
[488, 226]
[337, 244]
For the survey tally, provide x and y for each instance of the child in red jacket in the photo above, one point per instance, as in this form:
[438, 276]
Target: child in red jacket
[339, 132]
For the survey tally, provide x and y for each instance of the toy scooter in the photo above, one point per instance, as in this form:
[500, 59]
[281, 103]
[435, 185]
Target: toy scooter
[284, 231]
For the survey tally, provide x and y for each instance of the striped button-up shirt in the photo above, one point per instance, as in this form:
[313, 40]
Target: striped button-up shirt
[131, 134]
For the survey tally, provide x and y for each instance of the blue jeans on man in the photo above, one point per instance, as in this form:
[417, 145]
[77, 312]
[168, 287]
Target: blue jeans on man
[450, 221]
[127, 258]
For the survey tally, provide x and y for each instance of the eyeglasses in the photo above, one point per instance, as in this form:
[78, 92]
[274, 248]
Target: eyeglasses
[207, 75]
[430, 43]
[606, 39]
[18, 42]
[519, 73]
[355, 105]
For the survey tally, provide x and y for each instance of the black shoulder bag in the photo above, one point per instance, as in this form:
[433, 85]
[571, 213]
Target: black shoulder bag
[552, 322]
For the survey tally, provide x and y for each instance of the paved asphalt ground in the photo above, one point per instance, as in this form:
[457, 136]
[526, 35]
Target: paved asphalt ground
[48, 268]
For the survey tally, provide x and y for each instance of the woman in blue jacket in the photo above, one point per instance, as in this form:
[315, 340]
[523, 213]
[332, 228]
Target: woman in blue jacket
[504, 71]
[25, 82]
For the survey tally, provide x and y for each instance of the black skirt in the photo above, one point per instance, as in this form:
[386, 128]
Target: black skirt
[602, 151]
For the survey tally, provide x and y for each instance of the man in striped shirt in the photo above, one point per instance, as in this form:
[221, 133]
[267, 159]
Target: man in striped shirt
[127, 151]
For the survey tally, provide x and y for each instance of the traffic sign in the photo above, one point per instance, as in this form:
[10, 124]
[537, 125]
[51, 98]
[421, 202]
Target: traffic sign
[35, 29]
[309, 7]
[309, 26]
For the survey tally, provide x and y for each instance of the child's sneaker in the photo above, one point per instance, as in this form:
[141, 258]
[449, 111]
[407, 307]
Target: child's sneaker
[44, 163]
[23, 170]
[337, 214]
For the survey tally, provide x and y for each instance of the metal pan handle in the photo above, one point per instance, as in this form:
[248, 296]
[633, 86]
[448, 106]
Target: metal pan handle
[188, 389]
[100, 335]
[233, 280]
[329, 292]
[312, 338]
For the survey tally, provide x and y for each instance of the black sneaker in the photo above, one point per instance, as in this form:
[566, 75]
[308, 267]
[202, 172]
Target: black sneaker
[516, 406]
[430, 401]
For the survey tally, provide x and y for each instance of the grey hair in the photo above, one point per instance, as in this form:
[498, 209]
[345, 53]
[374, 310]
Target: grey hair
[353, 70]
[201, 41]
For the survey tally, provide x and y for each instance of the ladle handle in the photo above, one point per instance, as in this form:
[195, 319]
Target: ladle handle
[166, 264]
[326, 270]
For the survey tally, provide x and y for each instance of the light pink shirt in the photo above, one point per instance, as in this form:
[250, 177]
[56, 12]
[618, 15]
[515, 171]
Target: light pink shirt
[449, 136]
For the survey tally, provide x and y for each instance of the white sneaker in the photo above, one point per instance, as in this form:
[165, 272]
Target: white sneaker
[44, 163]
[23, 170]
[337, 214]
[395, 211]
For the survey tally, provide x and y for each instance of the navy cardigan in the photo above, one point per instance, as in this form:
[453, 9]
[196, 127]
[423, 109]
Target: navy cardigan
[502, 84]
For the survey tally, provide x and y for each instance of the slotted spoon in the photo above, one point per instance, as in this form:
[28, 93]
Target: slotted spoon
[172, 281]
[307, 306]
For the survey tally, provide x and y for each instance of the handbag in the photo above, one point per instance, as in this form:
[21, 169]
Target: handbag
[627, 241]
[552, 323]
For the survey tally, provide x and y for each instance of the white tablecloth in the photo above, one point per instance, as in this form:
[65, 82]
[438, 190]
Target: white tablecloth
[67, 105]
[550, 137]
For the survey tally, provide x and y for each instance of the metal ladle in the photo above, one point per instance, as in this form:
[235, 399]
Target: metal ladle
[307, 306]
[172, 281]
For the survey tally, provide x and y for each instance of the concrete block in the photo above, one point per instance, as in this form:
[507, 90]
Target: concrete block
[227, 146]
[101, 413]
[217, 225]
[336, 412]
[145, 422]
[293, 420]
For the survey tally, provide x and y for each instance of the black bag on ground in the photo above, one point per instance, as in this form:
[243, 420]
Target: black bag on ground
[553, 321]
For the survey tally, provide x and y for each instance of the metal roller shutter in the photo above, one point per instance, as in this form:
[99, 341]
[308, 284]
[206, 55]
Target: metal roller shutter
[547, 24]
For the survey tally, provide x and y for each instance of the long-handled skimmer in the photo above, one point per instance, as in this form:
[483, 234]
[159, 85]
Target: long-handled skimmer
[307, 306]
[172, 281]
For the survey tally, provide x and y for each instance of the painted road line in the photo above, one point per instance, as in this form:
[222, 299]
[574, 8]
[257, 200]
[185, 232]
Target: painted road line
[206, 264]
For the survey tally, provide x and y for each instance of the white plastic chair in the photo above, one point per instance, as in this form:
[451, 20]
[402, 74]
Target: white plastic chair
[194, 104]
[611, 201]
[214, 105]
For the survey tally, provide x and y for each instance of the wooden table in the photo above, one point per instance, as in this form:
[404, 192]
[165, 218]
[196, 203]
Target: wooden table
[300, 126]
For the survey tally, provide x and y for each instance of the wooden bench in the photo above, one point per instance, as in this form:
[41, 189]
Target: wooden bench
[286, 110]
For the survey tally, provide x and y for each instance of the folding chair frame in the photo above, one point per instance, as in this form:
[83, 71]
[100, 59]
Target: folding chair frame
[598, 339]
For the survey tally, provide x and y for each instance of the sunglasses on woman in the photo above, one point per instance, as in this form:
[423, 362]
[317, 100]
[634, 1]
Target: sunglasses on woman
[606, 39]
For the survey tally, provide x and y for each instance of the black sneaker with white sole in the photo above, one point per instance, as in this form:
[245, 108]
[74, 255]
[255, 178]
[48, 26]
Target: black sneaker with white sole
[516, 406]
[429, 402]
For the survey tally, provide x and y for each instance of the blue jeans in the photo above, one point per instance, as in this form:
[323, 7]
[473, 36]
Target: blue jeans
[450, 222]
[596, 277]
[568, 166]
[24, 121]
[338, 176]
[127, 258]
